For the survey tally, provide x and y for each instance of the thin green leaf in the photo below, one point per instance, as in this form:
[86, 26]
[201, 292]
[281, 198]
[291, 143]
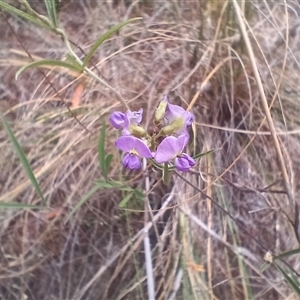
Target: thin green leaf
[51, 9]
[23, 159]
[113, 185]
[108, 161]
[264, 266]
[101, 151]
[73, 61]
[294, 285]
[20, 13]
[15, 205]
[203, 154]
[86, 197]
[48, 62]
[139, 194]
[104, 184]
[125, 200]
[288, 253]
[103, 38]
[99, 184]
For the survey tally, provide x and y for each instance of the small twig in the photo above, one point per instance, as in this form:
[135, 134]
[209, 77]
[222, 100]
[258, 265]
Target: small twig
[148, 256]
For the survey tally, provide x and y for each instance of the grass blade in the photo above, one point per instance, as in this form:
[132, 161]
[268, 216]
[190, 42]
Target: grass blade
[101, 151]
[99, 184]
[264, 266]
[125, 200]
[294, 285]
[15, 205]
[108, 161]
[86, 197]
[51, 9]
[23, 159]
[17, 12]
[288, 253]
[103, 38]
[48, 62]
[203, 154]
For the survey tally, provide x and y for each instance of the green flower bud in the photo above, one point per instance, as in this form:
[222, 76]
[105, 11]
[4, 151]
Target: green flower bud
[137, 131]
[173, 127]
[160, 112]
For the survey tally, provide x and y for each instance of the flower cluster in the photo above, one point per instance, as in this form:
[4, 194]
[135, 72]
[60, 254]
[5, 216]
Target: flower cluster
[164, 147]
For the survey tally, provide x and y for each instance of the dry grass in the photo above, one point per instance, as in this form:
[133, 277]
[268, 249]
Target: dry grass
[196, 52]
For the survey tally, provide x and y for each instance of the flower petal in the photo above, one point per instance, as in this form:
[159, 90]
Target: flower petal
[133, 117]
[130, 143]
[179, 117]
[168, 149]
[131, 161]
[142, 149]
[125, 143]
[117, 119]
[184, 162]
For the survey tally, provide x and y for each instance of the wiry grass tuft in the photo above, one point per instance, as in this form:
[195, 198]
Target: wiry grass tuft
[229, 229]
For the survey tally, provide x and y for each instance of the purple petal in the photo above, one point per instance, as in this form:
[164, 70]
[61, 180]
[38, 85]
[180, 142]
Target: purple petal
[184, 162]
[173, 112]
[125, 143]
[188, 118]
[130, 143]
[117, 119]
[131, 161]
[133, 117]
[169, 148]
[176, 114]
[142, 149]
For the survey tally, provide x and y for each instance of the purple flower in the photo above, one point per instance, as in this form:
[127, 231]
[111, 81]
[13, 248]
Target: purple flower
[117, 119]
[123, 121]
[135, 149]
[184, 162]
[171, 148]
[176, 119]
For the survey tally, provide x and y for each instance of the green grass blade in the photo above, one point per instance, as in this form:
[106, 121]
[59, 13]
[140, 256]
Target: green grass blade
[264, 266]
[86, 197]
[23, 159]
[288, 253]
[101, 151]
[139, 194]
[99, 184]
[103, 38]
[17, 12]
[294, 285]
[203, 154]
[48, 62]
[108, 161]
[125, 200]
[51, 9]
[15, 205]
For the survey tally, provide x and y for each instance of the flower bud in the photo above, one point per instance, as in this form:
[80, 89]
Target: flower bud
[160, 112]
[137, 131]
[173, 127]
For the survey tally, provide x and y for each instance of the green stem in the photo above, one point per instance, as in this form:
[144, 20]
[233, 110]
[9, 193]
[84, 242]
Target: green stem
[166, 177]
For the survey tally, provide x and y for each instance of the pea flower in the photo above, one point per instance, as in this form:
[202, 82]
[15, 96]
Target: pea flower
[135, 149]
[172, 148]
[174, 117]
[128, 122]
